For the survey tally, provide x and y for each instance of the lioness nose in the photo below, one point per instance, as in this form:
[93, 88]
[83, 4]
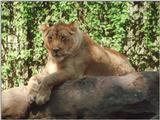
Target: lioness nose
[56, 50]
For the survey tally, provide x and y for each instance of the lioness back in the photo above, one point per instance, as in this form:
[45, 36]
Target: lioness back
[105, 61]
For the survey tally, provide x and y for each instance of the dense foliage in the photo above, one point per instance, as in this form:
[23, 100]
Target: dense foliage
[132, 28]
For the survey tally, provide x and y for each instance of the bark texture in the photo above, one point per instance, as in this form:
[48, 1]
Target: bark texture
[131, 96]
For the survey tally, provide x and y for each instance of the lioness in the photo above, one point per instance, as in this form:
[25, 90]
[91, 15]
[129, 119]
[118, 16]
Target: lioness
[72, 54]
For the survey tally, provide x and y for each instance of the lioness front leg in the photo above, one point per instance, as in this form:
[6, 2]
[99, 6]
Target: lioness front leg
[48, 82]
[33, 85]
[32, 88]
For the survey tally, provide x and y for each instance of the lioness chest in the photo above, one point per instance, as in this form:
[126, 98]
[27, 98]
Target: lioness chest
[51, 67]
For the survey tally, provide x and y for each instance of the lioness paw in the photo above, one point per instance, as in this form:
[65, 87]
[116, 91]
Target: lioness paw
[33, 87]
[42, 96]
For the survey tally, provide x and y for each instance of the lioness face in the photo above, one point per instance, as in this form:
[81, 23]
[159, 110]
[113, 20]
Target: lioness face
[59, 39]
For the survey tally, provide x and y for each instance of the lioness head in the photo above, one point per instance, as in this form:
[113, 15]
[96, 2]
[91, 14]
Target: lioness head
[61, 39]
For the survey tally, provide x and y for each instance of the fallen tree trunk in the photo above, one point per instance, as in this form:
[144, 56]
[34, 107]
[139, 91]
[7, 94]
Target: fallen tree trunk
[131, 96]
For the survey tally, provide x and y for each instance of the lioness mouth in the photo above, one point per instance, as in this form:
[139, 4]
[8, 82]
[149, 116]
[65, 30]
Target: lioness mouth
[57, 55]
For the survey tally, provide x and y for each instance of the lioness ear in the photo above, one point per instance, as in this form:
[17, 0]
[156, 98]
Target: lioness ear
[43, 27]
[74, 26]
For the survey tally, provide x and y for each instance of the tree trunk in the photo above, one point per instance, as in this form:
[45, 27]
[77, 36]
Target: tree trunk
[131, 96]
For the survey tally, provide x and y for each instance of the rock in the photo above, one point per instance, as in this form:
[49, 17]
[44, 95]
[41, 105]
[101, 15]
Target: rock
[134, 95]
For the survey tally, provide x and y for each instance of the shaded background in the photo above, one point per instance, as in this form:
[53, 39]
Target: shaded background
[132, 28]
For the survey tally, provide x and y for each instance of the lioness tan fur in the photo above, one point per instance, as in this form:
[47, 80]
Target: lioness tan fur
[71, 55]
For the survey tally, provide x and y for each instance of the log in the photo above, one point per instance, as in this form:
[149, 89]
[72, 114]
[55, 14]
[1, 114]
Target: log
[134, 95]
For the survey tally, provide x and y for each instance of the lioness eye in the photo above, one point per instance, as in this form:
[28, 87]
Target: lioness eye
[63, 38]
[49, 38]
